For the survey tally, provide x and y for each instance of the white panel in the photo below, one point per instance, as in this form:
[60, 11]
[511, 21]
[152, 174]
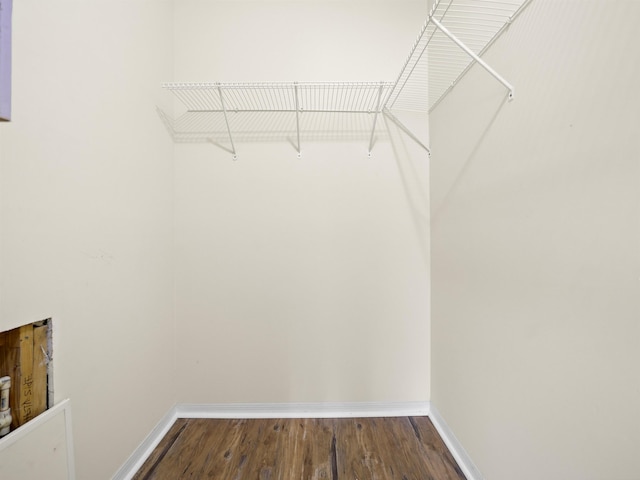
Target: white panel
[40, 449]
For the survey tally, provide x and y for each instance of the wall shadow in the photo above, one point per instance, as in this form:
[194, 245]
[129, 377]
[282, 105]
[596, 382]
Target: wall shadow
[412, 161]
[275, 126]
[463, 169]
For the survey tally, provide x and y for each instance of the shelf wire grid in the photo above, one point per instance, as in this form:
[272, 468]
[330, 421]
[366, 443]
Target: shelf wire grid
[435, 64]
[343, 97]
[291, 111]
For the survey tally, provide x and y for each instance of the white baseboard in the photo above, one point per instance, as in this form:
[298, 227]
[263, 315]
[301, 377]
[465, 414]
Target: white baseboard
[140, 455]
[263, 410]
[455, 447]
[302, 410]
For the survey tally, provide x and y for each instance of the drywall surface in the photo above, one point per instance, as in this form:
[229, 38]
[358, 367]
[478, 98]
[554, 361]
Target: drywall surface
[536, 249]
[300, 279]
[86, 211]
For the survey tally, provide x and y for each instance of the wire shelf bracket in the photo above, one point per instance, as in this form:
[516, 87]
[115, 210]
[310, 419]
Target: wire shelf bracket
[299, 147]
[226, 121]
[387, 113]
[375, 118]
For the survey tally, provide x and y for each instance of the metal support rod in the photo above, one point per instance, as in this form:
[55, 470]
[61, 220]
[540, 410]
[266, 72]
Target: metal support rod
[387, 113]
[375, 118]
[469, 52]
[226, 121]
[297, 119]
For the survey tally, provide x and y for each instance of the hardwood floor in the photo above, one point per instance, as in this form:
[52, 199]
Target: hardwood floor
[402, 448]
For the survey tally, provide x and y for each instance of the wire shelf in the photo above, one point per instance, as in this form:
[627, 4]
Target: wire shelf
[452, 39]
[436, 62]
[345, 97]
[293, 98]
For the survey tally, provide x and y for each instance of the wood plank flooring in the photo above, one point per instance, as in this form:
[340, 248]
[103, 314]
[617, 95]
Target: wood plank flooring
[398, 448]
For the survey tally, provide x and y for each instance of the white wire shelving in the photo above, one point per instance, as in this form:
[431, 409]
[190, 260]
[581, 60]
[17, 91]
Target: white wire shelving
[230, 104]
[453, 38]
[343, 97]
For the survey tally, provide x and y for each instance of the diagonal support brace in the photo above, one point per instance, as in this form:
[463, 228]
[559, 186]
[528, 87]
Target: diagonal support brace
[226, 121]
[469, 52]
[387, 113]
[298, 120]
[375, 118]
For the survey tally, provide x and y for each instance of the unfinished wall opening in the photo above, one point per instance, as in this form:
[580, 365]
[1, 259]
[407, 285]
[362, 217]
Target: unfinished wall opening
[25, 374]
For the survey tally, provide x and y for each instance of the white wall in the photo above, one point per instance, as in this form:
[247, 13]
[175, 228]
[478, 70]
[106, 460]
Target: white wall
[536, 249]
[86, 212]
[297, 279]
[300, 280]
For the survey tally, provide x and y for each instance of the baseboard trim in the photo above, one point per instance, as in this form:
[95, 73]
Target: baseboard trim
[262, 410]
[455, 447]
[140, 455]
[302, 410]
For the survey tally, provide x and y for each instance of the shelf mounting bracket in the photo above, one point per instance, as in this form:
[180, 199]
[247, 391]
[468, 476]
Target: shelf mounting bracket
[475, 57]
[295, 84]
[387, 113]
[375, 118]
[226, 121]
